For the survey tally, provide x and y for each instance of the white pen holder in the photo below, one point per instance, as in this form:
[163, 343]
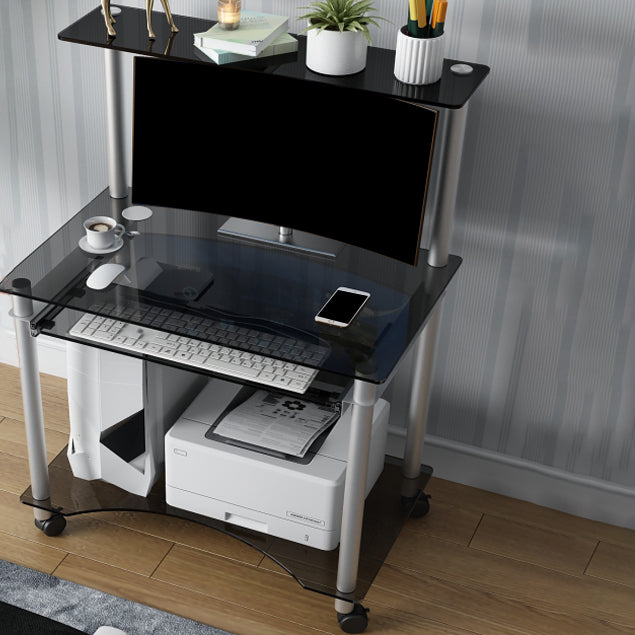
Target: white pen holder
[418, 60]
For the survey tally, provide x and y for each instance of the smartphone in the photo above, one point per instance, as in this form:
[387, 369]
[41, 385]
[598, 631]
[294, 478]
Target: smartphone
[342, 307]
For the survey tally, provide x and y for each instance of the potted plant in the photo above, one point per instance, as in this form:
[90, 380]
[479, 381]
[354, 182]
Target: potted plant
[338, 36]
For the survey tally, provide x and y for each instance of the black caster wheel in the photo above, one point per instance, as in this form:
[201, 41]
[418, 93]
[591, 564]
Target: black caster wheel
[52, 526]
[419, 505]
[354, 622]
[422, 506]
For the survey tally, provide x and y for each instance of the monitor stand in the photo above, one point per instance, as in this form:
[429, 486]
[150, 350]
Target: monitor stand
[282, 236]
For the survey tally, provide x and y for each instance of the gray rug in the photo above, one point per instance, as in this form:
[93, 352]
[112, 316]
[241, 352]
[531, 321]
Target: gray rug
[87, 609]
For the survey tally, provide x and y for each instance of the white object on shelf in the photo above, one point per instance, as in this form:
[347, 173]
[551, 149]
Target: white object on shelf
[104, 275]
[84, 246]
[106, 389]
[103, 389]
[137, 213]
[335, 53]
[461, 69]
[419, 60]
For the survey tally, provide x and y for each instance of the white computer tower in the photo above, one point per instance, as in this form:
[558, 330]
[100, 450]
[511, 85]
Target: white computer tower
[119, 409]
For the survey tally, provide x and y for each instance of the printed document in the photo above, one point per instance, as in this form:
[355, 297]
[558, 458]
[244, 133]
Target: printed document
[277, 422]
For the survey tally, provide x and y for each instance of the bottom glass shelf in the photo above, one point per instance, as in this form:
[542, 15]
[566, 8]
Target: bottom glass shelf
[316, 570]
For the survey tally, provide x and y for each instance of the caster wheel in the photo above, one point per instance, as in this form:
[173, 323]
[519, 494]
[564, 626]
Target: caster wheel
[354, 622]
[52, 526]
[422, 506]
[419, 507]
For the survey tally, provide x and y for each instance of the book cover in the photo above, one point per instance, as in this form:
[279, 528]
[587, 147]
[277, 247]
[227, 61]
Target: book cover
[257, 30]
[285, 43]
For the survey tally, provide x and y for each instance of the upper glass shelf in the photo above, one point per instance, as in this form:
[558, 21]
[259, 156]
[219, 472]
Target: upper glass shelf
[451, 91]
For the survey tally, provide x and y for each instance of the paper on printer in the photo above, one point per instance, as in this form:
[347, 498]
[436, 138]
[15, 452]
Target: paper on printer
[277, 422]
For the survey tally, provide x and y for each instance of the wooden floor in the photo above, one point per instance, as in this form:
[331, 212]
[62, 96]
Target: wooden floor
[478, 563]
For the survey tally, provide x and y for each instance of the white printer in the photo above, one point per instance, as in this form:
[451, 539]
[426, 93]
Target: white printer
[299, 500]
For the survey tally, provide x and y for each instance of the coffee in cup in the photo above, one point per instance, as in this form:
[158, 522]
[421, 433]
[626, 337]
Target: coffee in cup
[99, 227]
[102, 231]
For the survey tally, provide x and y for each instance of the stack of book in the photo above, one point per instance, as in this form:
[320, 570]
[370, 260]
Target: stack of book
[259, 35]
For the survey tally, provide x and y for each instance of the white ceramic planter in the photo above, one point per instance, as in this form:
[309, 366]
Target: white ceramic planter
[335, 53]
[419, 60]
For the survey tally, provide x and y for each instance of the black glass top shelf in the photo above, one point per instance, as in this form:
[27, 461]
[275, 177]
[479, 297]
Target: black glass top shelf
[451, 91]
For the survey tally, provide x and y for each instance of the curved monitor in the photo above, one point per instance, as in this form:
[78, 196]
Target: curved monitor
[344, 164]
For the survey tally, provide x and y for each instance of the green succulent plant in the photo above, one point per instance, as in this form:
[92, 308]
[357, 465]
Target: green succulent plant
[340, 15]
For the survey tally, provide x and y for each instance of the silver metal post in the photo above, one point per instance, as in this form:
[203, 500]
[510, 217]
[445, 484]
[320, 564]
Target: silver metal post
[418, 408]
[31, 397]
[452, 132]
[446, 178]
[116, 136]
[354, 491]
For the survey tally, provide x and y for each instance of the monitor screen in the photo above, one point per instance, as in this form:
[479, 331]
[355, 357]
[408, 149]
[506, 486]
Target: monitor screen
[341, 163]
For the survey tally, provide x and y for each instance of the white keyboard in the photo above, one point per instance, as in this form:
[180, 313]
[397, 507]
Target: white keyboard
[216, 358]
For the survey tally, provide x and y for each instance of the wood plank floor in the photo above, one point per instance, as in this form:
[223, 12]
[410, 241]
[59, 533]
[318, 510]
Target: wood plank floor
[478, 563]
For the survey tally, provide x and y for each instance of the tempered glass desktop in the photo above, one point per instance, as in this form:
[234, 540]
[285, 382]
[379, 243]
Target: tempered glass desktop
[265, 286]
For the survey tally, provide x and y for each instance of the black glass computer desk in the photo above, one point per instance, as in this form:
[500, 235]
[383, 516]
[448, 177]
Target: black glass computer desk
[260, 284]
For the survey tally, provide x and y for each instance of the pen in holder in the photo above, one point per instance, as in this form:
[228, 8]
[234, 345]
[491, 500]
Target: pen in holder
[421, 43]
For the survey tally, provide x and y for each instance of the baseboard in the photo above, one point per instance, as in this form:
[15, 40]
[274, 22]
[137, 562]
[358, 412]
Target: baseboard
[583, 496]
[51, 353]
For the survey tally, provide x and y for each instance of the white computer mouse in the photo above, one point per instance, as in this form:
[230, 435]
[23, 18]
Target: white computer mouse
[104, 275]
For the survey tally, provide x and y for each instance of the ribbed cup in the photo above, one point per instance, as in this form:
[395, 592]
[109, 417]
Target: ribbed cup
[418, 60]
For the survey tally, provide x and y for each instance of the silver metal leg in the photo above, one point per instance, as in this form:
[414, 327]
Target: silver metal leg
[354, 491]
[421, 382]
[116, 128]
[446, 177]
[31, 398]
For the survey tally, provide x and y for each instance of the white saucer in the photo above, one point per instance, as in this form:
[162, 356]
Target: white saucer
[136, 212]
[83, 244]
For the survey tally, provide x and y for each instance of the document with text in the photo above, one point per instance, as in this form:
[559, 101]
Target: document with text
[277, 422]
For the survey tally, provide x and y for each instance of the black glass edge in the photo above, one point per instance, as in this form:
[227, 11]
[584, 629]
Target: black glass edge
[56, 319]
[315, 570]
[440, 94]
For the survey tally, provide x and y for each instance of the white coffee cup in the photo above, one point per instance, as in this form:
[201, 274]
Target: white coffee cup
[101, 231]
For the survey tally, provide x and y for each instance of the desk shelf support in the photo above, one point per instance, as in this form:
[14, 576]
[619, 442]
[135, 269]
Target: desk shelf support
[22, 312]
[364, 397]
[446, 178]
[113, 63]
